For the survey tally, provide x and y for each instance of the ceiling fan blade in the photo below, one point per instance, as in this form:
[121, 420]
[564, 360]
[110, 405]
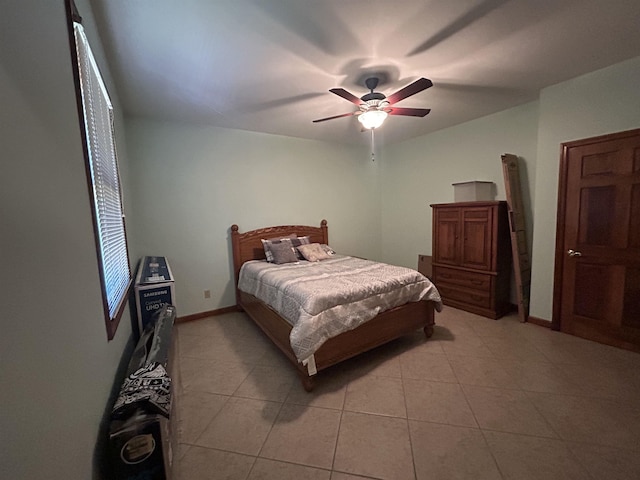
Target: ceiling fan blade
[335, 116]
[410, 112]
[411, 89]
[341, 92]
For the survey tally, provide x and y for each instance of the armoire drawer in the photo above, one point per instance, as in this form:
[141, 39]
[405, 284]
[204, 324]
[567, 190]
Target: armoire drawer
[470, 297]
[477, 281]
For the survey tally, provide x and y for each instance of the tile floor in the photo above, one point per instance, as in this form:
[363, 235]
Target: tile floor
[481, 399]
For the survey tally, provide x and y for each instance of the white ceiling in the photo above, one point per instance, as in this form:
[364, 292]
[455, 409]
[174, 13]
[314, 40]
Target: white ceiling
[267, 65]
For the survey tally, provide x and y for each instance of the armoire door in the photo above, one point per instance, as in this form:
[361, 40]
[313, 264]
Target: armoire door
[447, 239]
[477, 238]
[597, 290]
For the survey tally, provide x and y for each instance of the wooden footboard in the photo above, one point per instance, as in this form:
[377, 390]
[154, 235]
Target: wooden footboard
[382, 329]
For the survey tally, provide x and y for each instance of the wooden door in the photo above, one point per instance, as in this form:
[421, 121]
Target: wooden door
[597, 284]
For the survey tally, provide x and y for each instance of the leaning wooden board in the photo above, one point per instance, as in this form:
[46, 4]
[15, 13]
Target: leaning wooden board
[519, 247]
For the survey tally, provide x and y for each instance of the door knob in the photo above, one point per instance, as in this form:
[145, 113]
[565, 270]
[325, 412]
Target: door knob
[573, 253]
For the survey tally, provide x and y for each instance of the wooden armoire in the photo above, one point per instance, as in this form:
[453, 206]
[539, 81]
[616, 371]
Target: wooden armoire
[472, 256]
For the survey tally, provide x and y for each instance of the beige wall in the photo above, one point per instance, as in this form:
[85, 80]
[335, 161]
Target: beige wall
[191, 183]
[421, 171]
[57, 366]
[418, 172]
[601, 102]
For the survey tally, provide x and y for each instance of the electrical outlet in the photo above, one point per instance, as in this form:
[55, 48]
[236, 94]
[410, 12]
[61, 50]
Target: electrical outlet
[207, 294]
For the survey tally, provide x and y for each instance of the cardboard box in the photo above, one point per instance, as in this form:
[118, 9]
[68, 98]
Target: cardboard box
[141, 447]
[154, 287]
[142, 432]
[425, 265]
[473, 191]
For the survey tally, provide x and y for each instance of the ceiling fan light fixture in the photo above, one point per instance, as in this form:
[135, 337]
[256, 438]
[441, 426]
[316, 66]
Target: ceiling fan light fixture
[372, 118]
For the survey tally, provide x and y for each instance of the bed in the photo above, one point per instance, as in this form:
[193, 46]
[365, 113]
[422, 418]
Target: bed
[386, 326]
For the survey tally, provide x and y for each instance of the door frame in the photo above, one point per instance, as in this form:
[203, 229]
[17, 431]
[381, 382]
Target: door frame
[560, 255]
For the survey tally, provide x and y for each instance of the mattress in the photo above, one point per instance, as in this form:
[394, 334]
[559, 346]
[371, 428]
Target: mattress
[323, 299]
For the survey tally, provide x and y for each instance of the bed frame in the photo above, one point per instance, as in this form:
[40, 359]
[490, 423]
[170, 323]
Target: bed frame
[385, 327]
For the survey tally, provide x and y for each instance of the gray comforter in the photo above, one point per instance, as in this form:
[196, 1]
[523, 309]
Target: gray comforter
[323, 299]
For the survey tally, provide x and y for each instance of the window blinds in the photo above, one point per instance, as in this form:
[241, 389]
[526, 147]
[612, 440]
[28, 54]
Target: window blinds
[107, 200]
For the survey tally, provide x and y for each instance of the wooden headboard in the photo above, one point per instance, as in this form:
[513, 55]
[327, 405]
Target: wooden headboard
[248, 245]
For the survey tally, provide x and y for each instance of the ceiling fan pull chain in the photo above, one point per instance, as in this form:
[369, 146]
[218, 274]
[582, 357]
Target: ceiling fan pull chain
[373, 154]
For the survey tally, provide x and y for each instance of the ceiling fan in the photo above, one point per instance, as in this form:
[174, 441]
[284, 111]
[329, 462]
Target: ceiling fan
[375, 106]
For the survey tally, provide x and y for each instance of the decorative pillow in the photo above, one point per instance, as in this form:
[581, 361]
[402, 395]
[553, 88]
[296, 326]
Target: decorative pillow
[328, 249]
[296, 242]
[266, 244]
[313, 252]
[283, 252]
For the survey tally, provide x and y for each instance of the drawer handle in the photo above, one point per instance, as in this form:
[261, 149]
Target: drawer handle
[477, 282]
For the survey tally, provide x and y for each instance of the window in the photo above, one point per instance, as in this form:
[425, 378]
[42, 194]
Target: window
[104, 183]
